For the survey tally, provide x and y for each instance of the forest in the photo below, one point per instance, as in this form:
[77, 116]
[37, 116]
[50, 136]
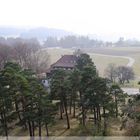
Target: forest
[71, 41]
[82, 94]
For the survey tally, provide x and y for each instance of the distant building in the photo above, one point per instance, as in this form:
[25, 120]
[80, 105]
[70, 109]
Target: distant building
[66, 62]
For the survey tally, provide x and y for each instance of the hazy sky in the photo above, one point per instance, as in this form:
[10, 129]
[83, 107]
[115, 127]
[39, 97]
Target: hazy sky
[80, 16]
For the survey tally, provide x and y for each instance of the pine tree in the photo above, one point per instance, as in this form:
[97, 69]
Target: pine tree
[59, 89]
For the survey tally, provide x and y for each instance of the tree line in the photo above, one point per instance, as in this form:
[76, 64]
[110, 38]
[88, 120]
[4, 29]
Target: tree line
[26, 52]
[72, 41]
[23, 101]
[85, 41]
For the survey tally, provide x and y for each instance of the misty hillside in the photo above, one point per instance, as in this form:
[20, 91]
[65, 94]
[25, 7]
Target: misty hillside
[43, 33]
[39, 33]
[11, 31]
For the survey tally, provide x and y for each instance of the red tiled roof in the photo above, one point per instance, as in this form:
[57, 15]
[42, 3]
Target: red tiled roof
[66, 61]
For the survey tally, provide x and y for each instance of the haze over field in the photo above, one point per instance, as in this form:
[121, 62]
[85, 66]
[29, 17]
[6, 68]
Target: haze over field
[107, 20]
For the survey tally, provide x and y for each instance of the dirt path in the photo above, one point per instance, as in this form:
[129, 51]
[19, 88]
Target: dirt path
[130, 59]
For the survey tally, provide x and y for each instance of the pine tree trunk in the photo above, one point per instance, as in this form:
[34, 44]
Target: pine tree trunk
[97, 112]
[66, 113]
[1, 115]
[83, 116]
[47, 131]
[95, 118]
[30, 128]
[23, 109]
[5, 124]
[105, 125]
[98, 118]
[61, 112]
[17, 110]
[33, 128]
[39, 126]
[62, 107]
[116, 106]
[73, 109]
[83, 110]
[70, 105]
[99, 109]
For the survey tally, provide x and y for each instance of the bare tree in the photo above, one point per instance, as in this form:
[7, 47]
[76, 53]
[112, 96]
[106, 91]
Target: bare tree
[40, 61]
[29, 54]
[26, 52]
[124, 74]
[5, 54]
[110, 72]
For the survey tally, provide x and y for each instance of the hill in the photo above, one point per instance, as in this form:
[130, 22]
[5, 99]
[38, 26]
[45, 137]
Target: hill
[40, 33]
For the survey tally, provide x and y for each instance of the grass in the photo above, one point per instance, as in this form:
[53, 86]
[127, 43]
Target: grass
[102, 62]
[55, 54]
[133, 52]
[59, 128]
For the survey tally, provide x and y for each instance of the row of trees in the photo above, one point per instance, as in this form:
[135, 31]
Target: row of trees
[127, 43]
[26, 52]
[119, 74]
[85, 41]
[73, 41]
[82, 91]
[23, 101]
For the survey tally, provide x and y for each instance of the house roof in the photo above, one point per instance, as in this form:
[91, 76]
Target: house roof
[66, 61]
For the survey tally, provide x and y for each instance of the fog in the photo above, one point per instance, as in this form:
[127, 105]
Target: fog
[106, 19]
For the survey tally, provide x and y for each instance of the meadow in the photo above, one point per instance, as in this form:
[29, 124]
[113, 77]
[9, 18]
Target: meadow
[102, 57]
[100, 61]
[133, 52]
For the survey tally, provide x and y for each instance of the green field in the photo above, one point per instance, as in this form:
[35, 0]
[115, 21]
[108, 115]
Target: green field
[102, 62]
[133, 52]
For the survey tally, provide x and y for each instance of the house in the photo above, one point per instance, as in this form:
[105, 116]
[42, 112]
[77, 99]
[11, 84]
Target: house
[66, 62]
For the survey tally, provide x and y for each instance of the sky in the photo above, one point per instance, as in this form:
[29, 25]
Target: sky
[79, 16]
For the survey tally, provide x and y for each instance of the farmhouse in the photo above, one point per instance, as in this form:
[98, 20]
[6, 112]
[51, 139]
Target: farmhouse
[66, 62]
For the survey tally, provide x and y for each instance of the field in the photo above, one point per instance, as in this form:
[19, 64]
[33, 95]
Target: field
[121, 51]
[101, 62]
[104, 56]
[132, 52]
